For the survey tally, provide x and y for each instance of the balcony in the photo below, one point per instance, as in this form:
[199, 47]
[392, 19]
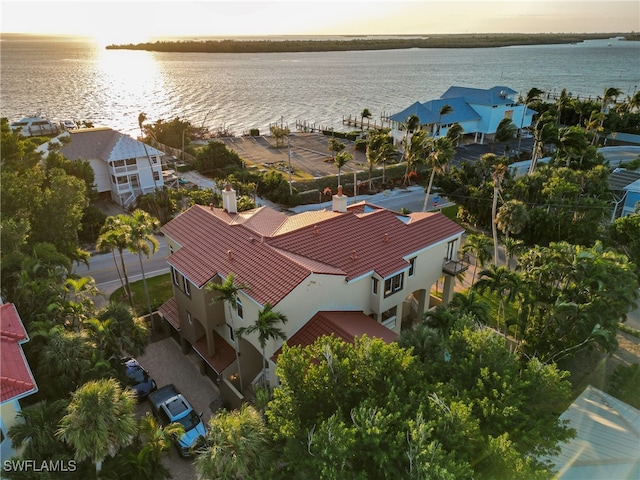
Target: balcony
[454, 267]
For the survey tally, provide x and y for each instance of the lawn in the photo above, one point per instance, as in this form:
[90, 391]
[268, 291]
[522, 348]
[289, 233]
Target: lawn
[160, 290]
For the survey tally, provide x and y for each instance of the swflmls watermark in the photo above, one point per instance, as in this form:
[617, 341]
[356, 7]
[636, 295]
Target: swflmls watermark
[39, 466]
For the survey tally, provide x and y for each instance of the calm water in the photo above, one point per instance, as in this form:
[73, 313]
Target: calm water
[70, 79]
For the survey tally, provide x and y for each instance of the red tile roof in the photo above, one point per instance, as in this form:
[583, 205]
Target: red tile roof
[16, 379]
[225, 354]
[367, 238]
[346, 325]
[169, 310]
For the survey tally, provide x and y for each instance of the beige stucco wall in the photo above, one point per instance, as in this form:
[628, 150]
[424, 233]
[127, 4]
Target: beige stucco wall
[8, 413]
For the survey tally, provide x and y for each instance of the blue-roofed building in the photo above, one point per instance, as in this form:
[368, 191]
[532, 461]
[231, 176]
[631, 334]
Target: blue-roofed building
[478, 111]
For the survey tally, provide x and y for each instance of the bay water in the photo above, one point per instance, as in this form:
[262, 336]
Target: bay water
[67, 78]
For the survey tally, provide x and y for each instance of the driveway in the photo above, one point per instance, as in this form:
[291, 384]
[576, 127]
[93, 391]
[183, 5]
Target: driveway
[166, 364]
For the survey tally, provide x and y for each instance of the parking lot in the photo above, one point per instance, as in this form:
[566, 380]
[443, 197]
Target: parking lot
[166, 364]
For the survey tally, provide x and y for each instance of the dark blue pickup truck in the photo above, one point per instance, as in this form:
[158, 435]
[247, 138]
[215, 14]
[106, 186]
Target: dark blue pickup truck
[169, 406]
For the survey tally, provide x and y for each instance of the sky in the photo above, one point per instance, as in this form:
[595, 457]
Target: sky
[119, 21]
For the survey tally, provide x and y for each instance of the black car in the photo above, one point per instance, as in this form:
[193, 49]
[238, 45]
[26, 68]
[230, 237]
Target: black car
[138, 378]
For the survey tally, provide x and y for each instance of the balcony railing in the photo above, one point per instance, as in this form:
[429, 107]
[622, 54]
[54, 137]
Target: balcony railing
[455, 266]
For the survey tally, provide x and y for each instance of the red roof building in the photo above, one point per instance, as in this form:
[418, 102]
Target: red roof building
[360, 260]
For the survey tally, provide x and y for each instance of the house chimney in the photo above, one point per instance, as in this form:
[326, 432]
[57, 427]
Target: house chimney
[229, 200]
[340, 201]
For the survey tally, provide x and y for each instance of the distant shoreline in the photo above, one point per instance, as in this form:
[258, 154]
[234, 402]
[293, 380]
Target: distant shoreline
[368, 43]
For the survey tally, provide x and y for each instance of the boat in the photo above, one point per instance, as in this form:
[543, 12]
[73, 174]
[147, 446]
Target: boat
[35, 125]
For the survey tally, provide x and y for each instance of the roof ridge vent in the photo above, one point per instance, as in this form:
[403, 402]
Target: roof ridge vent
[354, 255]
[386, 238]
[230, 254]
[315, 230]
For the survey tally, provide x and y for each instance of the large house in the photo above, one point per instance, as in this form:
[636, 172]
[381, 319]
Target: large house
[478, 111]
[353, 270]
[123, 166]
[16, 379]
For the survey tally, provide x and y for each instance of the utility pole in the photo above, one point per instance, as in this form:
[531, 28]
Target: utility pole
[289, 148]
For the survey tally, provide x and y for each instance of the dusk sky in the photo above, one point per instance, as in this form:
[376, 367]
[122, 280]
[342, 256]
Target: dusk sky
[141, 20]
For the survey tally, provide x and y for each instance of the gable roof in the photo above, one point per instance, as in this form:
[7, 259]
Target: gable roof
[621, 178]
[607, 439]
[462, 112]
[16, 379]
[498, 95]
[425, 115]
[105, 144]
[274, 260]
[346, 325]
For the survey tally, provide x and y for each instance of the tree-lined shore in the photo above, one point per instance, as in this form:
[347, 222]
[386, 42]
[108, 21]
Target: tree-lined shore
[479, 40]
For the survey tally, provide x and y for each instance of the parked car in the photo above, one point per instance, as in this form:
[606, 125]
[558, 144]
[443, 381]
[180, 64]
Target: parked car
[139, 379]
[169, 406]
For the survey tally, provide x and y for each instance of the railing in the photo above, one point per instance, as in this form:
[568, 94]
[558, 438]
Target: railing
[455, 267]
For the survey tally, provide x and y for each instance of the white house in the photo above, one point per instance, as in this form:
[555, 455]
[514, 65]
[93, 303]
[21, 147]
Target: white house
[478, 111]
[367, 268]
[17, 379]
[123, 166]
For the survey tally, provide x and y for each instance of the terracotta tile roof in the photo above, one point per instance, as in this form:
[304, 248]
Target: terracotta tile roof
[211, 246]
[225, 354]
[375, 240]
[16, 379]
[169, 310]
[342, 324]
[351, 244]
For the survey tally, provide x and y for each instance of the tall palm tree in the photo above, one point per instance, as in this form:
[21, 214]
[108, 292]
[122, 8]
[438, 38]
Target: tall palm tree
[512, 217]
[410, 125]
[506, 131]
[265, 327]
[454, 132]
[479, 246]
[563, 101]
[335, 146]
[387, 154]
[544, 132]
[512, 247]
[237, 445]
[532, 95]
[364, 114]
[572, 143]
[470, 303]
[100, 420]
[504, 283]
[115, 234]
[440, 154]
[341, 160]
[444, 110]
[141, 118]
[415, 152]
[498, 174]
[375, 143]
[228, 293]
[142, 242]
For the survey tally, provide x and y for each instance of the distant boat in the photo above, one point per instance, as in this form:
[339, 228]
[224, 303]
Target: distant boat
[609, 44]
[34, 126]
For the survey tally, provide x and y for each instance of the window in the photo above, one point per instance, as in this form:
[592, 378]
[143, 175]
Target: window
[232, 335]
[374, 286]
[187, 285]
[412, 267]
[451, 249]
[176, 279]
[388, 318]
[239, 308]
[171, 249]
[393, 284]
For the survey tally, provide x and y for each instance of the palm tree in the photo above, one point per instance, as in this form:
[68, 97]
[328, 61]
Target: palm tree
[335, 146]
[504, 283]
[543, 132]
[141, 118]
[479, 246]
[532, 95]
[470, 303]
[512, 218]
[440, 155]
[444, 110]
[365, 114]
[237, 445]
[142, 241]
[512, 247]
[266, 329]
[376, 142]
[415, 152]
[454, 133]
[498, 174]
[506, 131]
[341, 160]
[387, 153]
[572, 142]
[35, 430]
[563, 100]
[118, 331]
[411, 123]
[100, 420]
[155, 438]
[228, 293]
[115, 234]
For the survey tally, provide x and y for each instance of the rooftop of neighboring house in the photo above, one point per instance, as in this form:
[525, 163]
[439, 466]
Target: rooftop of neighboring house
[273, 252]
[101, 143]
[16, 378]
[345, 325]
